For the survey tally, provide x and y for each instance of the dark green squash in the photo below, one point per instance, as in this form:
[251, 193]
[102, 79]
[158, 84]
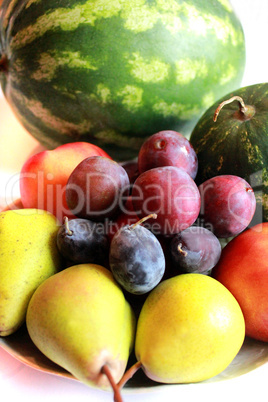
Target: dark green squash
[232, 138]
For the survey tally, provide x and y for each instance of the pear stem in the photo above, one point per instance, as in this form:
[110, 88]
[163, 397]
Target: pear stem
[66, 223]
[129, 374]
[154, 216]
[117, 394]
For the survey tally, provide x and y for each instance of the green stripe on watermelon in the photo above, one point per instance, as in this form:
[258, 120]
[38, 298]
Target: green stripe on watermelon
[113, 73]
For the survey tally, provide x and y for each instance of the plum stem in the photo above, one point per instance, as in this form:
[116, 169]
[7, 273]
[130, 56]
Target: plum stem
[66, 223]
[116, 389]
[247, 110]
[183, 252]
[154, 216]
[160, 144]
[3, 64]
[129, 374]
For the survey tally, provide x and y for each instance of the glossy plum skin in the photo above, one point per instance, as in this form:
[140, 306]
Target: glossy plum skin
[168, 148]
[228, 204]
[195, 250]
[170, 193]
[83, 241]
[97, 188]
[136, 259]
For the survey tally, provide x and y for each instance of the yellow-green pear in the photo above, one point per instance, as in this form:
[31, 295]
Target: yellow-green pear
[190, 329]
[80, 319]
[28, 256]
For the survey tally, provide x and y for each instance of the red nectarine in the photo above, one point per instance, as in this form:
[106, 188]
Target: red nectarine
[243, 269]
[44, 176]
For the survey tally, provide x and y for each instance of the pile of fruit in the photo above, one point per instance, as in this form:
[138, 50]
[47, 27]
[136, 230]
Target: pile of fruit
[107, 259]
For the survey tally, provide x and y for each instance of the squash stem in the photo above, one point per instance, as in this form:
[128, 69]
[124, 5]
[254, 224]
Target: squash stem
[247, 110]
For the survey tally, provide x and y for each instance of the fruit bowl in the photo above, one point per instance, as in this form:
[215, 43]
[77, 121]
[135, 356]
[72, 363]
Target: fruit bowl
[252, 355]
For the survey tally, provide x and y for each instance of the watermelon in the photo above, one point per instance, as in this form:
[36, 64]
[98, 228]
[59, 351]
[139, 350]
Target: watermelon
[113, 72]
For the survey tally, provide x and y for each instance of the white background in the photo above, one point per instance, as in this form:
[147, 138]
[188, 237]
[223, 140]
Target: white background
[18, 380]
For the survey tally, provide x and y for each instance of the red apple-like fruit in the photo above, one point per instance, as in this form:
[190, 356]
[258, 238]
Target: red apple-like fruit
[44, 176]
[243, 269]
